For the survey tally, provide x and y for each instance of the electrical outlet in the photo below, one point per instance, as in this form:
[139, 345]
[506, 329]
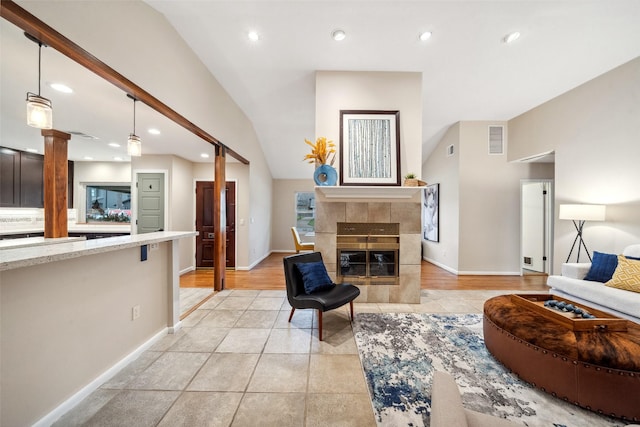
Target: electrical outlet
[154, 246]
[135, 312]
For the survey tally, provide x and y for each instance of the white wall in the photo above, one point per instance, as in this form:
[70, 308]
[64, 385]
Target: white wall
[348, 90]
[93, 173]
[487, 206]
[594, 131]
[284, 205]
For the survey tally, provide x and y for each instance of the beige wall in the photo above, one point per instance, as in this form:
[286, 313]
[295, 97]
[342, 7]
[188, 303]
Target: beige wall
[346, 90]
[65, 323]
[480, 219]
[444, 170]
[594, 131]
[179, 195]
[284, 205]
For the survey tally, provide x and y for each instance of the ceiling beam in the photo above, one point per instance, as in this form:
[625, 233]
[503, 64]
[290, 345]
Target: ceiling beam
[29, 23]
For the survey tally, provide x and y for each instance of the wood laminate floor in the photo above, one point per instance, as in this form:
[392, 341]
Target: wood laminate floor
[269, 275]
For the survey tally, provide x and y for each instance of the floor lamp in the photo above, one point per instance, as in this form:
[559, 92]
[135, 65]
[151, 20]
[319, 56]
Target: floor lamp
[579, 214]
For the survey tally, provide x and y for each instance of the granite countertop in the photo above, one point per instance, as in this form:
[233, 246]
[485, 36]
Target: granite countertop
[35, 241]
[77, 228]
[42, 254]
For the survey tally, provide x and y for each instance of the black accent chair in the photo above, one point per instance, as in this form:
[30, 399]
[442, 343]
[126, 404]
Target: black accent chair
[322, 301]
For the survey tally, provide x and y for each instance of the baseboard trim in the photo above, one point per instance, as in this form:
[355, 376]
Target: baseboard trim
[186, 270]
[472, 273]
[439, 264]
[71, 402]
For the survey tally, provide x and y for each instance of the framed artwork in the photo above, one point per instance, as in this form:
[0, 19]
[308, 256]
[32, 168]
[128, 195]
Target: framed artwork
[431, 212]
[369, 147]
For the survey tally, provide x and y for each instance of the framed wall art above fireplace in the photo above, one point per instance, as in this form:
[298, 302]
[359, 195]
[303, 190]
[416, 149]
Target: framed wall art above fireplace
[369, 147]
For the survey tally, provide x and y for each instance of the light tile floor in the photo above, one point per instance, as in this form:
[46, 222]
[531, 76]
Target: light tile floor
[238, 362]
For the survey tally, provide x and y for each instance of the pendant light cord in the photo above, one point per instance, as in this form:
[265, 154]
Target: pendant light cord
[134, 116]
[39, 65]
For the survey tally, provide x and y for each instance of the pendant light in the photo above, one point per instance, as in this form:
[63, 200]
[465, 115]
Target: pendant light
[134, 144]
[39, 111]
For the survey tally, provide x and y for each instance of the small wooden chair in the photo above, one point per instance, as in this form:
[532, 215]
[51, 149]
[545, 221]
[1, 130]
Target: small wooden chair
[300, 246]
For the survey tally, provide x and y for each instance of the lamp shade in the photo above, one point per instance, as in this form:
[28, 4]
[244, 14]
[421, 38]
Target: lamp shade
[583, 212]
[39, 112]
[134, 145]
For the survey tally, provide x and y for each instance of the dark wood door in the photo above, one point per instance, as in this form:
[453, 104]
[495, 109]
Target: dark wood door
[205, 225]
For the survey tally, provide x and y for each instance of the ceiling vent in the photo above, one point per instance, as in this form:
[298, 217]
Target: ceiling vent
[496, 139]
[82, 135]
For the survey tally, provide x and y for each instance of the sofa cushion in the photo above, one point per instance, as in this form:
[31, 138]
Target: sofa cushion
[632, 251]
[626, 276]
[602, 267]
[598, 295]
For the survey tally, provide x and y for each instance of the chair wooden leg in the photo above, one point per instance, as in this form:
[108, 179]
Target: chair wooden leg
[320, 324]
[351, 308]
[291, 315]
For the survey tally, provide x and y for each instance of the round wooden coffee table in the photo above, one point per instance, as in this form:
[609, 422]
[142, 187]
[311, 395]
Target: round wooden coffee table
[593, 363]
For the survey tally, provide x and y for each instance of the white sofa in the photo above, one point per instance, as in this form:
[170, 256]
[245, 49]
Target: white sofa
[618, 302]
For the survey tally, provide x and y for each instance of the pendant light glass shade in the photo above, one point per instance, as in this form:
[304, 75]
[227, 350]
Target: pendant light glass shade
[39, 111]
[134, 145]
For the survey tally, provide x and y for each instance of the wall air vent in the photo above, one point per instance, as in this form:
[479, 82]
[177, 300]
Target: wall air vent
[496, 139]
[450, 150]
[82, 135]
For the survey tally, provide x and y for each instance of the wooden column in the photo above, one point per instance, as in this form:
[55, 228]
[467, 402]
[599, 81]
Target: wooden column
[55, 183]
[220, 219]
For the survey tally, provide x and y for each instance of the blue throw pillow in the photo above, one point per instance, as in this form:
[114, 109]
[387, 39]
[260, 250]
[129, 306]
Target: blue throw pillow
[602, 267]
[314, 276]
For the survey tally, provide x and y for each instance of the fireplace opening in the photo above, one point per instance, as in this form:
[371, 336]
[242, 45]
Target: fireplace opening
[368, 252]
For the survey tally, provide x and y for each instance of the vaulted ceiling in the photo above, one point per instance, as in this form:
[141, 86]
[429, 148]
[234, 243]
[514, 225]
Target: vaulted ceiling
[469, 73]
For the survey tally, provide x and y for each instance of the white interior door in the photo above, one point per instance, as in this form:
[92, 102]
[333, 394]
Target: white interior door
[535, 210]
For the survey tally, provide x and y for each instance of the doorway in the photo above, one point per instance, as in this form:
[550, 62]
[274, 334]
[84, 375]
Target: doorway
[206, 227]
[536, 226]
[150, 202]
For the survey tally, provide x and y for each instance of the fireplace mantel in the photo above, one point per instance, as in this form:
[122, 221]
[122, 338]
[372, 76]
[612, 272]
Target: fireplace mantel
[368, 192]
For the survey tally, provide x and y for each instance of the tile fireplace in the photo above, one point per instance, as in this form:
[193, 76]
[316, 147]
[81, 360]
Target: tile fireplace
[371, 237]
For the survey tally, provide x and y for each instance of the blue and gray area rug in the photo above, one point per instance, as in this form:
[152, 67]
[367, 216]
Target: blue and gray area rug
[400, 351]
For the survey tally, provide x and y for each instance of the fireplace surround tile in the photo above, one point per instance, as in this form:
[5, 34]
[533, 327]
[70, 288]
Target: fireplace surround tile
[391, 209]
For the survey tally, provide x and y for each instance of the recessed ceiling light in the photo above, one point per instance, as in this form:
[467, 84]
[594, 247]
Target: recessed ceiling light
[32, 150]
[61, 87]
[425, 36]
[154, 131]
[88, 158]
[118, 159]
[253, 36]
[204, 155]
[114, 144]
[511, 37]
[338, 35]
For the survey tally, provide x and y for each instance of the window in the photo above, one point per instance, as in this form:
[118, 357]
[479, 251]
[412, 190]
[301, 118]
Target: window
[305, 212]
[108, 203]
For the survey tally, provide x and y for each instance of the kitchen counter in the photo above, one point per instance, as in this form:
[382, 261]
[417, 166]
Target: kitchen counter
[75, 228]
[35, 241]
[74, 313]
[34, 255]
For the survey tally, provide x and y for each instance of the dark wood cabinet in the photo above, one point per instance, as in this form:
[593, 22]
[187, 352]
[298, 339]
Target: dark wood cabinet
[22, 179]
[9, 178]
[31, 180]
